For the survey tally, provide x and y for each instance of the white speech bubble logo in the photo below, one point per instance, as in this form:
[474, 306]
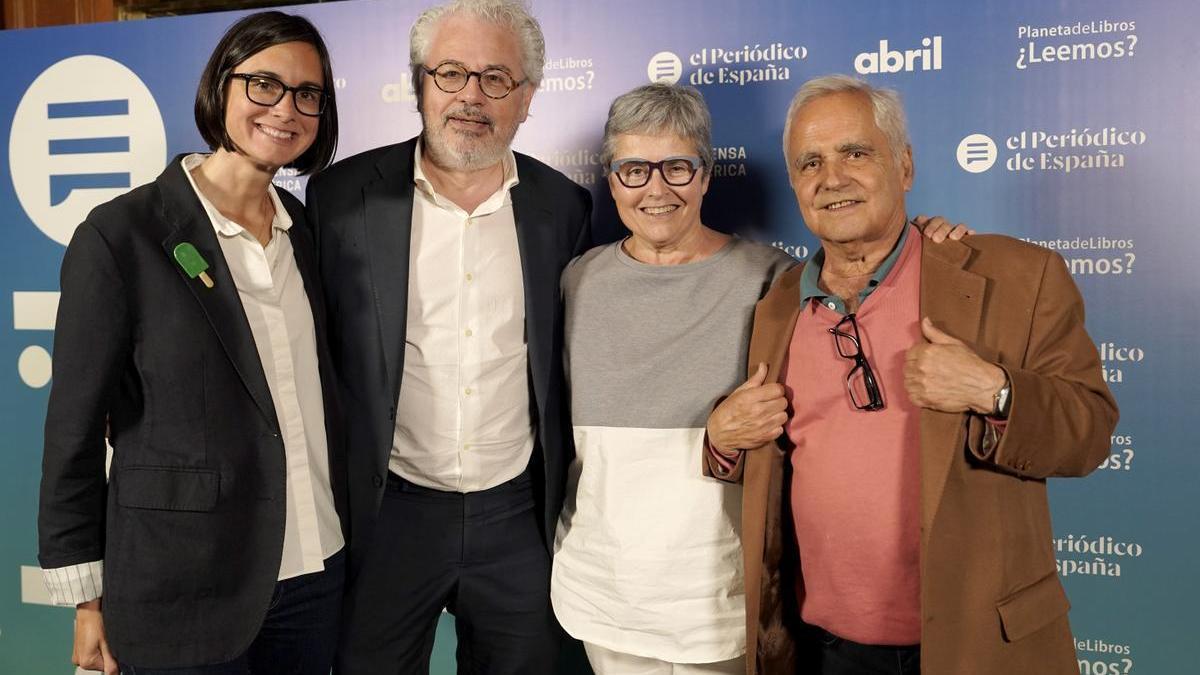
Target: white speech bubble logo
[664, 67]
[976, 153]
[86, 130]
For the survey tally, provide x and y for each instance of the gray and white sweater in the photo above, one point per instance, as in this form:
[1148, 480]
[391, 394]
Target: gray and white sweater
[648, 557]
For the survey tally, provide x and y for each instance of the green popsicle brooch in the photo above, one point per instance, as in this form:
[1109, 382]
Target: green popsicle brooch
[193, 263]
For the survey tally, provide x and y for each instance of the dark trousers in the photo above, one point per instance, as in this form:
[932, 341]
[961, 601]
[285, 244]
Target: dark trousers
[298, 635]
[479, 555]
[823, 653]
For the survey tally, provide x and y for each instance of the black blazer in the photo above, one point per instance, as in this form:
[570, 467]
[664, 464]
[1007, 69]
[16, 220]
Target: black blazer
[360, 211]
[190, 524]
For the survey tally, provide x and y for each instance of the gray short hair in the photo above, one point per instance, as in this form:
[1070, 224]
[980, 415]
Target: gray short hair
[660, 108]
[885, 104]
[510, 14]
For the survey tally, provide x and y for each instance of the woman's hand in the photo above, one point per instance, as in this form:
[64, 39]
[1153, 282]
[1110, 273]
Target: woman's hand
[91, 649]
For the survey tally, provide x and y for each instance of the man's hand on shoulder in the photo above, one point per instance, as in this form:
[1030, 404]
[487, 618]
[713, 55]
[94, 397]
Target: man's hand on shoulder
[937, 229]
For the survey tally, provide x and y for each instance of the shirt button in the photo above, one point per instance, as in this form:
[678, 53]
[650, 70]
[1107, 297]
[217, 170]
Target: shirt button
[377, 480]
[468, 332]
[470, 276]
[831, 305]
[466, 447]
[467, 391]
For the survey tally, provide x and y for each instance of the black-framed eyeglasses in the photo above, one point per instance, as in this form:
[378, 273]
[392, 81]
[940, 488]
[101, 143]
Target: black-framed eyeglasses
[861, 382]
[268, 91]
[634, 172]
[451, 77]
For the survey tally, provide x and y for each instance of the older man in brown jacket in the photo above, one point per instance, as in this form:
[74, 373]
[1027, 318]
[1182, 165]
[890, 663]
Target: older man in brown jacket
[907, 403]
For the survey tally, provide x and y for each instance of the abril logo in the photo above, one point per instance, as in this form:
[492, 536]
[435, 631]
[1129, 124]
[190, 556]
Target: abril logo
[976, 153]
[85, 131]
[664, 67]
[886, 60]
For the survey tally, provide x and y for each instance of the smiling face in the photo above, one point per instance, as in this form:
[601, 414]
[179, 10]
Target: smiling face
[658, 215]
[849, 182]
[466, 130]
[272, 136]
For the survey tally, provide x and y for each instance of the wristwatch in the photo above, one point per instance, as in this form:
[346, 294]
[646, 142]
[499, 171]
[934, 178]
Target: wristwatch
[1002, 400]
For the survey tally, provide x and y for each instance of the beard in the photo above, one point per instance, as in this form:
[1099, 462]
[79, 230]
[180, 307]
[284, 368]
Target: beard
[460, 150]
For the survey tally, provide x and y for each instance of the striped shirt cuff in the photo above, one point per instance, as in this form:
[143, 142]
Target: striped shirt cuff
[73, 584]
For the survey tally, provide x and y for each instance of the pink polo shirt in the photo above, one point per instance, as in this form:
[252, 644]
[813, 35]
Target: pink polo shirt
[855, 492]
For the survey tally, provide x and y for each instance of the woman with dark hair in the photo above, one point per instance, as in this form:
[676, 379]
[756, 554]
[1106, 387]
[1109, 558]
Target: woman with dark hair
[190, 331]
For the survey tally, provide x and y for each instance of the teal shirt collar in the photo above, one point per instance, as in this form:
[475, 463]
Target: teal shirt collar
[810, 289]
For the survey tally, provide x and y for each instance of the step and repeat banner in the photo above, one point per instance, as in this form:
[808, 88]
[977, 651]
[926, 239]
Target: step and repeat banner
[1071, 124]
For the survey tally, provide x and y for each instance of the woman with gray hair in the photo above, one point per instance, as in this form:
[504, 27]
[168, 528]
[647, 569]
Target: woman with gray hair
[648, 570]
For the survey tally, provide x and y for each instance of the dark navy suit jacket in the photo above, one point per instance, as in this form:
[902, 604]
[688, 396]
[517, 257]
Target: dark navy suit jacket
[190, 525]
[360, 211]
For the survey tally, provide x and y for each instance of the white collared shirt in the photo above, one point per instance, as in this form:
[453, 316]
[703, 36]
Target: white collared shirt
[273, 296]
[462, 419]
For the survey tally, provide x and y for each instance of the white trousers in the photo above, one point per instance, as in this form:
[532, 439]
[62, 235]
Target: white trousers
[607, 662]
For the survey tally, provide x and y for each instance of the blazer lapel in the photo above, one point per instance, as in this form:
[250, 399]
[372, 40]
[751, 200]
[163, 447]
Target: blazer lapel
[536, 241]
[302, 247]
[221, 303]
[387, 219]
[953, 298]
[774, 322]
[763, 476]
[302, 251]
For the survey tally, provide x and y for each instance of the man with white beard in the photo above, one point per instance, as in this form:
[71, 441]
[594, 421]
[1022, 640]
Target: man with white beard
[441, 259]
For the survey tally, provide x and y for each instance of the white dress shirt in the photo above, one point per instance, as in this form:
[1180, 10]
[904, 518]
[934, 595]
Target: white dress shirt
[462, 418]
[273, 296]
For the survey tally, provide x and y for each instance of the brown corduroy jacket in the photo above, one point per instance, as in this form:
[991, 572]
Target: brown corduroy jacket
[991, 601]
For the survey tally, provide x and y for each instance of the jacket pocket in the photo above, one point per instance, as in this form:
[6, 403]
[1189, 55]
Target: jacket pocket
[168, 489]
[1033, 607]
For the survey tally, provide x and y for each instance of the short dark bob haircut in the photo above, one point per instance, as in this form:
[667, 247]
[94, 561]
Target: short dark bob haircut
[249, 36]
